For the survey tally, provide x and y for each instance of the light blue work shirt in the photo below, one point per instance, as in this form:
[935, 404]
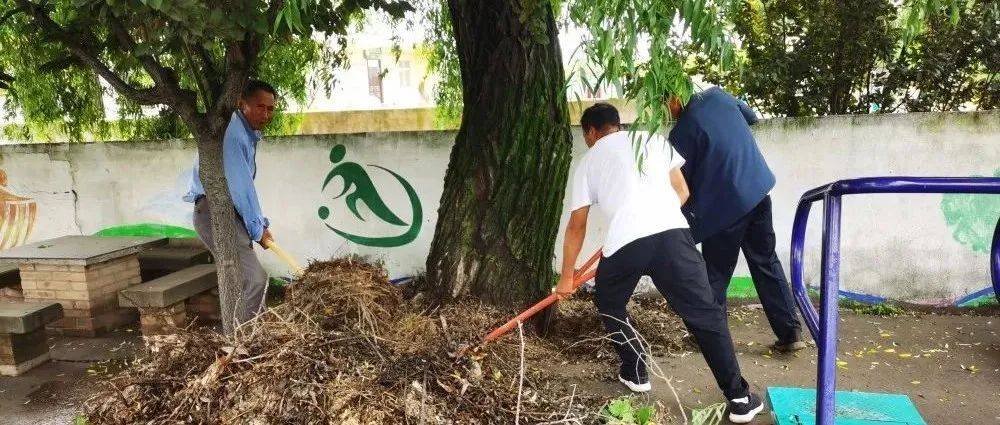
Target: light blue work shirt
[239, 160]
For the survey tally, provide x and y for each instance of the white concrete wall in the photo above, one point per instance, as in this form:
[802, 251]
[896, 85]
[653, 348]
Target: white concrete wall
[896, 245]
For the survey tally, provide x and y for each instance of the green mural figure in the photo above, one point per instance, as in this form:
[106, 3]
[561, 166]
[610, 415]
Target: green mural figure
[355, 177]
[972, 218]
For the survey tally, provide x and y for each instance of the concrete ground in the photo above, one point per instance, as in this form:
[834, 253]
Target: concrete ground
[949, 365]
[54, 392]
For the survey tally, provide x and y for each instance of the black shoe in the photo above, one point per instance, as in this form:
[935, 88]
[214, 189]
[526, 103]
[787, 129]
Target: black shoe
[788, 347]
[743, 410]
[791, 345]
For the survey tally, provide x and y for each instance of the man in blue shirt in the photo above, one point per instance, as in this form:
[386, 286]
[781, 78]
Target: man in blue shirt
[730, 205]
[239, 152]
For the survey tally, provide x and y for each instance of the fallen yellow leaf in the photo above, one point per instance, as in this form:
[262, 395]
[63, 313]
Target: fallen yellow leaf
[890, 350]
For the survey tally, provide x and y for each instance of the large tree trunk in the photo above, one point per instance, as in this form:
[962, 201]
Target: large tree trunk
[224, 227]
[504, 186]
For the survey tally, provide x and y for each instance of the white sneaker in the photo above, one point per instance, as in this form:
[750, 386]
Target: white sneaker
[644, 387]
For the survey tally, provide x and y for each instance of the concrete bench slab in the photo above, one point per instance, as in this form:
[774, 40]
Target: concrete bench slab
[22, 318]
[23, 343]
[185, 243]
[170, 289]
[173, 258]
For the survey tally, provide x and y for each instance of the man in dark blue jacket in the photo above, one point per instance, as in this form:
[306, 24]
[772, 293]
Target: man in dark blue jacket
[730, 206]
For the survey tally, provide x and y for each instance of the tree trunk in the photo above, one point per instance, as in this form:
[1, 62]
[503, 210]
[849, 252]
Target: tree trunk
[209, 128]
[224, 227]
[503, 190]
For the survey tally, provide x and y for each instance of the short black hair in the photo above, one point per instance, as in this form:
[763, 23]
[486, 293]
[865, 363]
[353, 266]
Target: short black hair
[254, 86]
[599, 116]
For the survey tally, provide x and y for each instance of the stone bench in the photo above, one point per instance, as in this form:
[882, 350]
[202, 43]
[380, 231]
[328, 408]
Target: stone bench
[23, 343]
[178, 254]
[167, 302]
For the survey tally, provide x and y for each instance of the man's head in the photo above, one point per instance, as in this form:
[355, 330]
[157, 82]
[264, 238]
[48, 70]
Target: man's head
[257, 103]
[675, 106]
[598, 121]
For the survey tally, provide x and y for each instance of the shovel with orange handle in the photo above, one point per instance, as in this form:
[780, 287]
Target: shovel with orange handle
[582, 275]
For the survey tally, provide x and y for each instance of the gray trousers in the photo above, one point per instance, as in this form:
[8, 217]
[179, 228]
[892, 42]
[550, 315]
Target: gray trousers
[254, 277]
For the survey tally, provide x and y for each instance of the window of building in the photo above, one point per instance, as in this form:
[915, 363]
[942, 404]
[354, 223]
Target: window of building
[404, 74]
[375, 79]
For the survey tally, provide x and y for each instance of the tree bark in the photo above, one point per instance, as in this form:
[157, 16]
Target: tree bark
[503, 190]
[223, 228]
[209, 130]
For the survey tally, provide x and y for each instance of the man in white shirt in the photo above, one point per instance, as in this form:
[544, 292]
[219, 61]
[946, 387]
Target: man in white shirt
[647, 235]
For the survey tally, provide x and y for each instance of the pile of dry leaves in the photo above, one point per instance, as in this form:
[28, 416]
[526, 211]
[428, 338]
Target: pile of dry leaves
[345, 347]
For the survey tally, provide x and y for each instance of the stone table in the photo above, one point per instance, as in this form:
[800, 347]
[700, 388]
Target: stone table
[84, 274]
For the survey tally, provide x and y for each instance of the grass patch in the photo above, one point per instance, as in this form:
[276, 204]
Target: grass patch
[880, 309]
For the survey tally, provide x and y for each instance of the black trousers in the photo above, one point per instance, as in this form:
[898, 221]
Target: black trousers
[678, 271]
[754, 235]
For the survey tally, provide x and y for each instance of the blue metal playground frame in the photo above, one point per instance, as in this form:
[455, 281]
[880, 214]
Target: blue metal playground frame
[823, 325]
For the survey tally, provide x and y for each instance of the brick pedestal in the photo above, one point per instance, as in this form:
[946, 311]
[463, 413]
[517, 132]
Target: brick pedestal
[88, 294]
[204, 307]
[21, 352]
[159, 321]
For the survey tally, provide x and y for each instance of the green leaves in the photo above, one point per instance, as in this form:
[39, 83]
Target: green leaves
[620, 411]
[917, 12]
[639, 45]
[61, 97]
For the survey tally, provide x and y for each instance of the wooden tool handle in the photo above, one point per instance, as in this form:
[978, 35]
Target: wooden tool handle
[273, 246]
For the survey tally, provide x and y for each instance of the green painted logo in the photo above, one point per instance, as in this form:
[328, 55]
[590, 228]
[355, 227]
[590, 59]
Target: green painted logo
[972, 218]
[355, 177]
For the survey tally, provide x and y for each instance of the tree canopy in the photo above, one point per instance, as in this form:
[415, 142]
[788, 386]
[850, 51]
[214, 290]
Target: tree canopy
[805, 58]
[62, 59]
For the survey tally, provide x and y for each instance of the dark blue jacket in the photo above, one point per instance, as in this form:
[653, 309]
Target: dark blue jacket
[725, 171]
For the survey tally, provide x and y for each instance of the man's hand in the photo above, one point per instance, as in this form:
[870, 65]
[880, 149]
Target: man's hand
[564, 289]
[266, 239]
[576, 229]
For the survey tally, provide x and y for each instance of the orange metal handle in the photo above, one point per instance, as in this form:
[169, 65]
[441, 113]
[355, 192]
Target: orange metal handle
[579, 278]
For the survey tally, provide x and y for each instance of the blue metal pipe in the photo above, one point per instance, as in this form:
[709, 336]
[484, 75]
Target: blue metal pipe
[829, 315]
[995, 260]
[823, 325]
[809, 314]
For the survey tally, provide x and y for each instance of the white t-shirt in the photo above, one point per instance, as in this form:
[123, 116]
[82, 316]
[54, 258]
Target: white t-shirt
[637, 203]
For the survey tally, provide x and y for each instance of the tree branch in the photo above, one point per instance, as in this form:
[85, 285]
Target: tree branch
[143, 96]
[164, 77]
[239, 58]
[5, 80]
[199, 77]
[209, 63]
